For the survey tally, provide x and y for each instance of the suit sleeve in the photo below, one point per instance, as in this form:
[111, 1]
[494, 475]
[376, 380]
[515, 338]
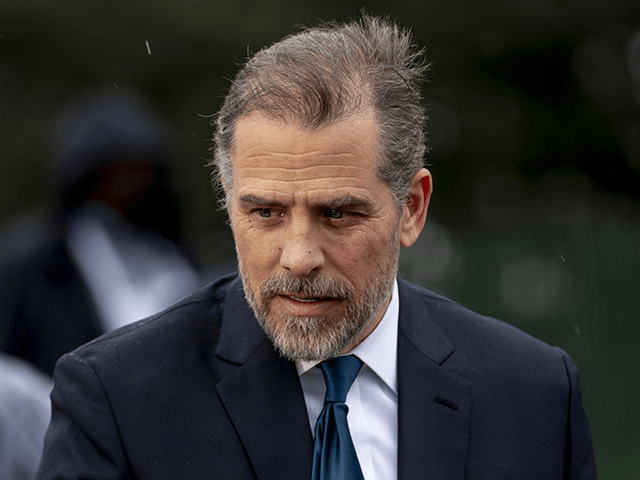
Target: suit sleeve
[580, 455]
[82, 441]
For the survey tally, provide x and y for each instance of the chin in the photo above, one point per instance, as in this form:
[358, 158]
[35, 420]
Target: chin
[312, 339]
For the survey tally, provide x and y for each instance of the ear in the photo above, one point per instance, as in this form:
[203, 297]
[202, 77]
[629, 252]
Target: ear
[414, 213]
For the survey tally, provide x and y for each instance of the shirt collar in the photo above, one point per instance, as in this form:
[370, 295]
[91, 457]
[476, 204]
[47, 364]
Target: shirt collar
[379, 350]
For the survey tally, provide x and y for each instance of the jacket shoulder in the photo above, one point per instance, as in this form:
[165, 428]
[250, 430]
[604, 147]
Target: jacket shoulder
[195, 318]
[467, 327]
[485, 349]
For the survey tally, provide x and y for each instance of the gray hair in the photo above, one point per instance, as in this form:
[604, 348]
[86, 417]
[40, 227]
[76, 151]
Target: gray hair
[326, 74]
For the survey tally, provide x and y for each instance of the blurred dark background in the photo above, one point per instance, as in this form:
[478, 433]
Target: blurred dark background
[535, 133]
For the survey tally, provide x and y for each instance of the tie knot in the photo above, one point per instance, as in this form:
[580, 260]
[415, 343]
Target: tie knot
[339, 374]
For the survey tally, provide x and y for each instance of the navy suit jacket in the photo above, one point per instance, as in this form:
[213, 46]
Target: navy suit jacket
[198, 392]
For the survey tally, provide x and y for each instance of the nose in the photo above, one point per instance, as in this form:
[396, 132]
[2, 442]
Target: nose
[302, 250]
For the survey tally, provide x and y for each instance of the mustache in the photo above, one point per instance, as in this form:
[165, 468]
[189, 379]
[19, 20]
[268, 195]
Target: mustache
[316, 286]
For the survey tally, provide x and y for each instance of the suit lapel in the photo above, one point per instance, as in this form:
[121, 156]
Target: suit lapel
[263, 396]
[264, 399]
[434, 403]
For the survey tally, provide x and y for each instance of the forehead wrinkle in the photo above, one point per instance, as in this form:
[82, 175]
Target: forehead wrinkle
[247, 175]
[248, 170]
[311, 172]
[291, 147]
[272, 152]
[319, 159]
[317, 187]
[343, 147]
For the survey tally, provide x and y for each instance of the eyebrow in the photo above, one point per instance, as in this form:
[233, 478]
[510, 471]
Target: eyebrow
[250, 199]
[346, 201]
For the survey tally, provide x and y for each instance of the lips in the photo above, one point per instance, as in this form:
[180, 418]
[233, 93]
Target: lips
[301, 305]
[307, 299]
[304, 300]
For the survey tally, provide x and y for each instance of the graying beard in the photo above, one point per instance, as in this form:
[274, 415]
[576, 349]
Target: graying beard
[318, 345]
[328, 342]
[303, 338]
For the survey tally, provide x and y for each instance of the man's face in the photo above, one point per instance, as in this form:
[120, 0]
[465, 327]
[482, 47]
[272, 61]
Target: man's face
[316, 233]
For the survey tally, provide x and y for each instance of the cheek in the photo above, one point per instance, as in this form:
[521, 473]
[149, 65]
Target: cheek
[356, 257]
[258, 252]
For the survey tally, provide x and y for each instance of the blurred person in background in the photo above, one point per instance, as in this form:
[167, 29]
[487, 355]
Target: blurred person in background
[24, 415]
[111, 254]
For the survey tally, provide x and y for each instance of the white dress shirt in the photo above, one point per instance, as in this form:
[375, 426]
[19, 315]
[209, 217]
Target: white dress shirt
[372, 399]
[131, 273]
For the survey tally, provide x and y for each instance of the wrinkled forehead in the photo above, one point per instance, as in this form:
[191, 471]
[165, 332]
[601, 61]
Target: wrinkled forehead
[257, 135]
[283, 158]
[290, 133]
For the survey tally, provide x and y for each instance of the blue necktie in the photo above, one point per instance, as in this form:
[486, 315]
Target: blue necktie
[334, 457]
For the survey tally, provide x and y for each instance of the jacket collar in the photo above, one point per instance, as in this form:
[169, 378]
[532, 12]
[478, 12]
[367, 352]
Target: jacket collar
[434, 403]
[262, 396]
[264, 399]
[240, 334]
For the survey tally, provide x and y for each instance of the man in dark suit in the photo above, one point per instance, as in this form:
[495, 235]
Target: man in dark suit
[319, 150]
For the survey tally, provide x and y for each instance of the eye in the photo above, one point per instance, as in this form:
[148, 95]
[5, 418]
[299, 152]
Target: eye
[265, 212]
[336, 214]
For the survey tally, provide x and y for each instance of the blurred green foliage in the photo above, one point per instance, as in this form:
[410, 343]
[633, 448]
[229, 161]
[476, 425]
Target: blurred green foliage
[535, 133]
